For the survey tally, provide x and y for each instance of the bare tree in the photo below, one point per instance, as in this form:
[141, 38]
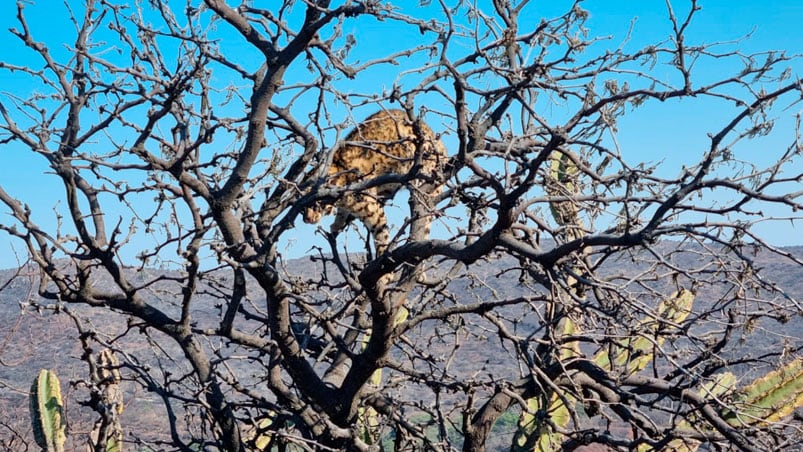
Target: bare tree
[573, 293]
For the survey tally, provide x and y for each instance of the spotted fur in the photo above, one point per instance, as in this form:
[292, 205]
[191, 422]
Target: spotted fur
[385, 143]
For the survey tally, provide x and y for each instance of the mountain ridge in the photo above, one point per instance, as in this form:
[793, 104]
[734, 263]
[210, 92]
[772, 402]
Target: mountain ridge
[32, 338]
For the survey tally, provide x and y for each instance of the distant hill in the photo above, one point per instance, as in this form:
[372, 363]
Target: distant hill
[32, 339]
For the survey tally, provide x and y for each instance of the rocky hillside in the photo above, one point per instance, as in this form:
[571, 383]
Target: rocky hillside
[32, 339]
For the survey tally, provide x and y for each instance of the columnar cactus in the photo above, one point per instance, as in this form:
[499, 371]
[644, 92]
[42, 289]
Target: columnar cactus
[47, 412]
[719, 385]
[367, 417]
[636, 352]
[533, 432]
[109, 432]
[769, 398]
[562, 182]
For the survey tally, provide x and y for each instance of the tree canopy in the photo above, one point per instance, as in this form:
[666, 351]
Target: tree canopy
[562, 288]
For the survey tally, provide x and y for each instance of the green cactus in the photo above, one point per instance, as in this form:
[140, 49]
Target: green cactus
[265, 440]
[47, 412]
[367, 417]
[769, 398]
[109, 431]
[720, 385]
[562, 182]
[533, 434]
[635, 352]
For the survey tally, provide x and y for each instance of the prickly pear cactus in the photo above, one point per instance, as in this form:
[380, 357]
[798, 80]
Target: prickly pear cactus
[47, 412]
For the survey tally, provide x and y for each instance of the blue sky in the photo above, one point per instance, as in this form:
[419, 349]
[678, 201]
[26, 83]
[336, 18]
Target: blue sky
[674, 133]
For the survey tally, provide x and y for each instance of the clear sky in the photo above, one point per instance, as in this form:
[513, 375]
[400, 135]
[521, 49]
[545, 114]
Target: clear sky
[774, 26]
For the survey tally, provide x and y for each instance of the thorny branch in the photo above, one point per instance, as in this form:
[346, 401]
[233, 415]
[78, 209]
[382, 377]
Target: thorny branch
[188, 142]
